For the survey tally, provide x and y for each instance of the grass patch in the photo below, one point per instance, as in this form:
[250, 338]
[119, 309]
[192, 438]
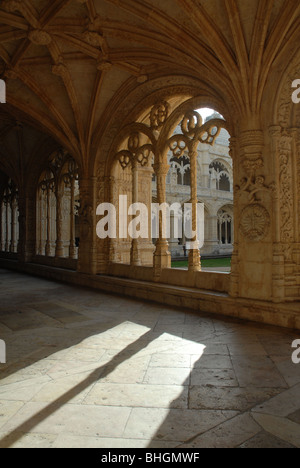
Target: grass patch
[206, 263]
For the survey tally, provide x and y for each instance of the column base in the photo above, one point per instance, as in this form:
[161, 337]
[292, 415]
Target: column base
[194, 260]
[162, 258]
[73, 252]
[59, 250]
[135, 254]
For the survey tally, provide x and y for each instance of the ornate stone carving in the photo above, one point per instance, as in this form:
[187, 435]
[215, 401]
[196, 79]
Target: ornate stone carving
[252, 143]
[135, 153]
[124, 159]
[39, 37]
[94, 38]
[104, 65]
[61, 70]
[286, 195]
[142, 78]
[251, 166]
[252, 186]
[255, 222]
[159, 115]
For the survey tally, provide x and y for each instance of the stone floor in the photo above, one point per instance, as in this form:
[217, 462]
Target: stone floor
[85, 369]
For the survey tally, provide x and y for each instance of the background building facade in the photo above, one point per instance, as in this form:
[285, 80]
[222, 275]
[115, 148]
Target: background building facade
[215, 191]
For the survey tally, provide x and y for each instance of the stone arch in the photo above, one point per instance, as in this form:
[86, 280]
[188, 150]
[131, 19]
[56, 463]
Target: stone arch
[225, 226]
[134, 107]
[155, 121]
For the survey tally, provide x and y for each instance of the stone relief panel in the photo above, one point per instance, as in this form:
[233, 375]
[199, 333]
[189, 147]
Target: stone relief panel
[255, 222]
[286, 186]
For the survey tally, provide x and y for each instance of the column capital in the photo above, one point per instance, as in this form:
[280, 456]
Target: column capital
[161, 169]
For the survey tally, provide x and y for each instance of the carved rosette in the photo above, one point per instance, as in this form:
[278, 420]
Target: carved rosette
[159, 115]
[255, 222]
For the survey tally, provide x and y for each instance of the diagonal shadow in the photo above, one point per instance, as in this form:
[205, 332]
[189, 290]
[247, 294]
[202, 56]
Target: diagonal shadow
[94, 377]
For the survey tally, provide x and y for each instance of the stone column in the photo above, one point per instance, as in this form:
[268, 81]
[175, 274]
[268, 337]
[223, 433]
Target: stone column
[226, 232]
[253, 207]
[8, 225]
[284, 229]
[40, 226]
[48, 239]
[72, 248]
[103, 245]
[162, 256]
[235, 270]
[27, 227]
[145, 196]
[87, 255]
[135, 255]
[14, 241]
[213, 243]
[173, 242]
[194, 254]
[59, 248]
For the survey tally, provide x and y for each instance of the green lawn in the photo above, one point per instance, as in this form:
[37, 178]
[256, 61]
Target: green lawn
[209, 263]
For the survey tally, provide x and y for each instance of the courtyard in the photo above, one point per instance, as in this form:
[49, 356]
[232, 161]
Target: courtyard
[87, 369]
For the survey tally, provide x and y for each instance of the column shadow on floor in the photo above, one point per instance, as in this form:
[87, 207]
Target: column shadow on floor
[165, 431]
[96, 376]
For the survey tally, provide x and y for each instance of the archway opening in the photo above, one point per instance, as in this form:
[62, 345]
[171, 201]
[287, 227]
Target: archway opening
[214, 190]
[58, 207]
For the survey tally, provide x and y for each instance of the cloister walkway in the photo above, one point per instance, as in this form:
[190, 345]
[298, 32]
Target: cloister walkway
[86, 369]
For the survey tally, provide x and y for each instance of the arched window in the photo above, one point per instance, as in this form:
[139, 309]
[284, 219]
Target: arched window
[183, 168]
[225, 227]
[220, 174]
[224, 182]
[187, 176]
[10, 218]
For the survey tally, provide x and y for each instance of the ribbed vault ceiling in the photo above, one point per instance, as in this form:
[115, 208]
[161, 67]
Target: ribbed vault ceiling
[65, 61]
